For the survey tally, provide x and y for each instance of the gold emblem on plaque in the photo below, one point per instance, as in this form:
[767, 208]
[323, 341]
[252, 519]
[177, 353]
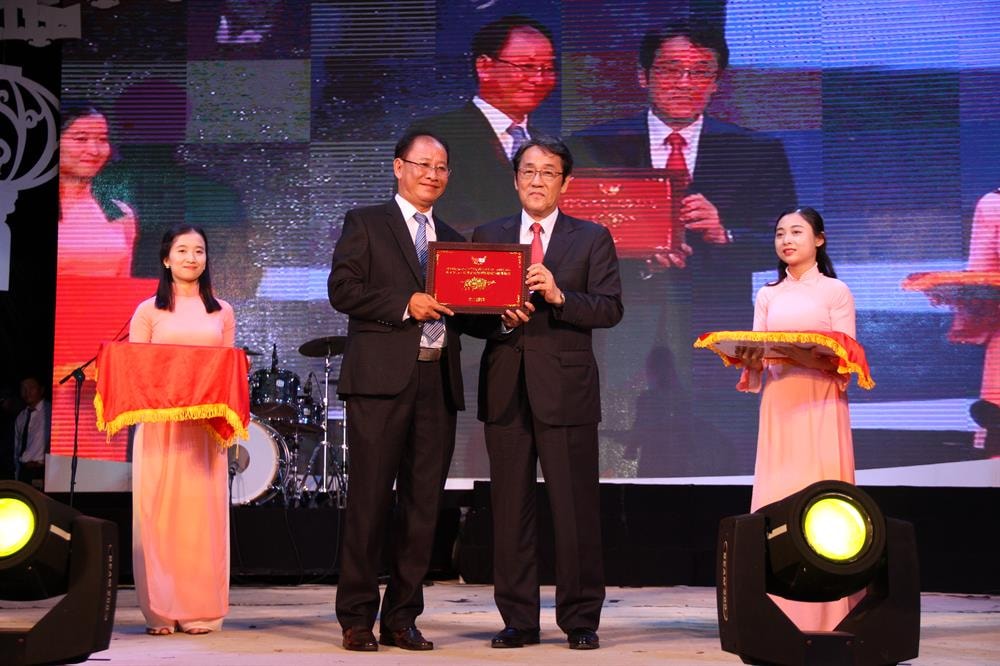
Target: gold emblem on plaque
[477, 284]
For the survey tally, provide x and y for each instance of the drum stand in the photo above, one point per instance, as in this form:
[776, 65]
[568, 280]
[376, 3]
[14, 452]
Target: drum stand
[332, 477]
[291, 487]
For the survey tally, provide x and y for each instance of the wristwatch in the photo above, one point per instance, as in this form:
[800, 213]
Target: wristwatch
[729, 235]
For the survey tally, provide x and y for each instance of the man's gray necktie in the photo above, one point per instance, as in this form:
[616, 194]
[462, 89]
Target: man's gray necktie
[433, 328]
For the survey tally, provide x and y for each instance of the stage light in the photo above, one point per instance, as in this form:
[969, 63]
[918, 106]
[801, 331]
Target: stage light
[17, 524]
[48, 549]
[825, 542]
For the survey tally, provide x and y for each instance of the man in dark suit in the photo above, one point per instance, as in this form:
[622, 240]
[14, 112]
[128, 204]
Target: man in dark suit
[729, 185]
[514, 61]
[539, 397]
[401, 378]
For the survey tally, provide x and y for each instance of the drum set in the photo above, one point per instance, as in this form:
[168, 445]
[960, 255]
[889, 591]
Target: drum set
[297, 450]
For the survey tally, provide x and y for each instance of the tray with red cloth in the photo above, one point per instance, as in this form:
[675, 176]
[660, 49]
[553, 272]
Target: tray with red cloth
[848, 352]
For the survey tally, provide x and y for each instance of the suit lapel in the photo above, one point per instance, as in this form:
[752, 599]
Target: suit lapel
[560, 242]
[482, 126]
[397, 226]
[511, 230]
[642, 159]
[708, 143]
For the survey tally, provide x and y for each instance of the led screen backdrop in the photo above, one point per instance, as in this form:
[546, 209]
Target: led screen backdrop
[265, 122]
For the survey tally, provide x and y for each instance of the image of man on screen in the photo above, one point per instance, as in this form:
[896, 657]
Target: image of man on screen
[514, 61]
[727, 183]
[539, 398]
[736, 178]
[401, 378]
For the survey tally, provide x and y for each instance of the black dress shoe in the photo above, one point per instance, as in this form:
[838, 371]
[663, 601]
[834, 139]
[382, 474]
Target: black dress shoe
[515, 638]
[583, 639]
[409, 638]
[359, 639]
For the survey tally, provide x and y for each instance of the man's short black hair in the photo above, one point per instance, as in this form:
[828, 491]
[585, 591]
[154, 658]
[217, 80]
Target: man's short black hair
[549, 145]
[492, 37]
[703, 35]
[406, 141]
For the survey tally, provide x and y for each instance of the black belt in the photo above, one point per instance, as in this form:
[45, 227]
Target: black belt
[429, 354]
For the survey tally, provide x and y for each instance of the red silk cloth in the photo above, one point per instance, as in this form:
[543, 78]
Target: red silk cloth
[849, 354]
[143, 382]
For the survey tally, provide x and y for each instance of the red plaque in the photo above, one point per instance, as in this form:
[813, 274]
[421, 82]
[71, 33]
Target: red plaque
[478, 278]
[634, 204]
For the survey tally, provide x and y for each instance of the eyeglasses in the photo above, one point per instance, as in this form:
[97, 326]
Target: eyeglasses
[539, 70]
[677, 72]
[546, 175]
[440, 171]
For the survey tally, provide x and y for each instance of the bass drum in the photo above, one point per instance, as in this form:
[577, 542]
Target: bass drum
[257, 466]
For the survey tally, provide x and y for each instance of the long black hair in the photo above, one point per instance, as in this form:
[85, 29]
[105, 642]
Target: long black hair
[815, 220]
[165, 289]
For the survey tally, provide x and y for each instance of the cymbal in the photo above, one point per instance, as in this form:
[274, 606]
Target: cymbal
[251, 352]
[321, 347]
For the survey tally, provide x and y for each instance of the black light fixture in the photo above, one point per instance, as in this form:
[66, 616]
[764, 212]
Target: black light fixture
[822, 543]
[48, 549]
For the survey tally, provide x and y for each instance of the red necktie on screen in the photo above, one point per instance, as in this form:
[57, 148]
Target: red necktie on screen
[537, 250]
[677, 173]
[677, 170]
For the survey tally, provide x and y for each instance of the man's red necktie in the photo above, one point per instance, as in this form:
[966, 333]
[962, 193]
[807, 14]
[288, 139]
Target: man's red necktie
[537, 251]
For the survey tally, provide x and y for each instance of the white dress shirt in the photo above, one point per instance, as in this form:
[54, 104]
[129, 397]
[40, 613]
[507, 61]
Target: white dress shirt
[500, 121]
[547, 225]
[660, 151]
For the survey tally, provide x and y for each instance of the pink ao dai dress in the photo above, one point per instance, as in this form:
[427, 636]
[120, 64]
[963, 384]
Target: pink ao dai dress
[805, 426]
[180, 502]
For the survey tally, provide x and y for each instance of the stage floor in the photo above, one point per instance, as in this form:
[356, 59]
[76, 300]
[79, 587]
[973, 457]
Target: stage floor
[296, 625]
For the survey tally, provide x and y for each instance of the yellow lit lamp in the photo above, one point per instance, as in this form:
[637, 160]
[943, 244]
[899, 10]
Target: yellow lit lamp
[825, 542]
[49, 549]
[17, 524]
[837, 529]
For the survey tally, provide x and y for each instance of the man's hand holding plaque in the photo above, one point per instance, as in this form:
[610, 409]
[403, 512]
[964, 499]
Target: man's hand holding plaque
[511, 319]
[424, 307]
[541, 280]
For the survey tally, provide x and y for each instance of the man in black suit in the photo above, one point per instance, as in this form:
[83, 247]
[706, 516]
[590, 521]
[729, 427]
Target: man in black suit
[729, 185]
[514, 61]
[539, 397]
[401, 378]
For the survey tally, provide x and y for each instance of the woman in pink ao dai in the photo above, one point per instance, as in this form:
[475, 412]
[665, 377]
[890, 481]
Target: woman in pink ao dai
[805, 426]
[180, 503]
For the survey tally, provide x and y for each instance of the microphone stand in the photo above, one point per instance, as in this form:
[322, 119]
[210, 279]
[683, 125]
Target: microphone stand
[78, 375]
